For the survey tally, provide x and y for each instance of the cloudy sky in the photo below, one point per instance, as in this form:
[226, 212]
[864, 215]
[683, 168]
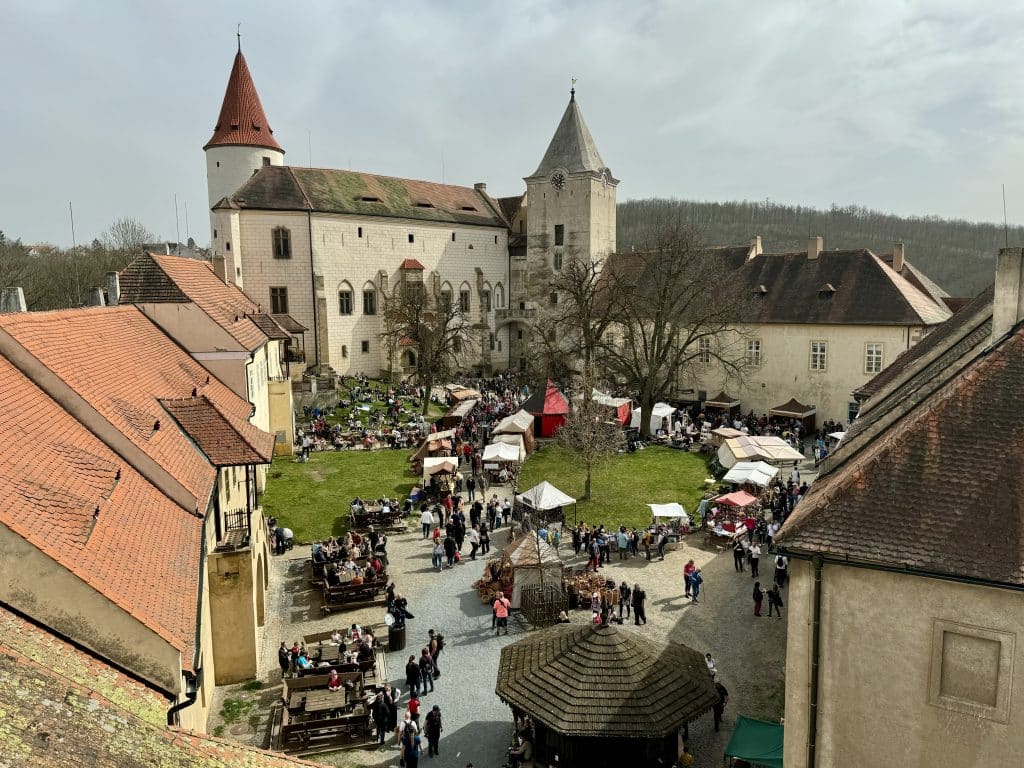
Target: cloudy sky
[911, 107]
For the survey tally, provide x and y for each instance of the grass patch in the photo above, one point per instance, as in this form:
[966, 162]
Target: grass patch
[312, 498]
[234, 710]
[252, 685]
[218, 731]
[624, 485]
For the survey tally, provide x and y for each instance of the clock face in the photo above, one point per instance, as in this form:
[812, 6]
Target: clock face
[558, 180]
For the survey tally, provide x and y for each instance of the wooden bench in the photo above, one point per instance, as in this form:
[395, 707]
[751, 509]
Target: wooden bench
[354, 595]
[309, 736]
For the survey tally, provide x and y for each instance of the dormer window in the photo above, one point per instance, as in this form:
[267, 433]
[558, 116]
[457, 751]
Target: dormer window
[368, 199]
[827, 291]
[424, 204]
[468, 208]
[761, 290]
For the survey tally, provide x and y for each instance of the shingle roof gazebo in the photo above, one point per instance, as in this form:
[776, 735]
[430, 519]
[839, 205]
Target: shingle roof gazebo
[604, 695]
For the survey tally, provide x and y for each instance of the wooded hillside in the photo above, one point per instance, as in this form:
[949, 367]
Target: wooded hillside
[958, 255]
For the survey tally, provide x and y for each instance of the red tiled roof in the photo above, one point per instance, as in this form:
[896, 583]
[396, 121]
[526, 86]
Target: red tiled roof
[73, 709]
[242, 120]
[221, 441]
[156, 279]
[140, 550]
[123, 365]
[412, 264]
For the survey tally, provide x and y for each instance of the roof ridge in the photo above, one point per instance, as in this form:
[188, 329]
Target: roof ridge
[302, 189]
[83, 411]
[903, 285]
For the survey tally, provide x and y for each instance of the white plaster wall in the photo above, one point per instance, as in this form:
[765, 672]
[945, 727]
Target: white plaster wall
[229, 167]
[785, 369]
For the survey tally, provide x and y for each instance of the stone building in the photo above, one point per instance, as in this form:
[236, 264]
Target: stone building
[329, 247]
[130, 521]
[906, 571]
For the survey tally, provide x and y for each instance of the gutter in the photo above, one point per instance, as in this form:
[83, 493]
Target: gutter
[194, 680]
[312, 285]
[812, 709]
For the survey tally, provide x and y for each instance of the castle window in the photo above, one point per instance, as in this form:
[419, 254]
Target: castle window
[499, 296]
[412, 237]
[557, 261]
[282, 239]
[464, 300]
[559, 234]
[492, 342]
[369, 302]
[553, 298]
[495, 239]
[359, 232]
[453, 237]
[215, 233]
[487, 300]
[266, 161]
[457, 345]
[279, 300]
[344, 350]
[227, 246]
[364, 345]
[704, 351]
[345, 301]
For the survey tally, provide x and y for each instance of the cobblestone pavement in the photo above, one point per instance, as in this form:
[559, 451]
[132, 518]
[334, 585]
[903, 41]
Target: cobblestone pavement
[749, 651]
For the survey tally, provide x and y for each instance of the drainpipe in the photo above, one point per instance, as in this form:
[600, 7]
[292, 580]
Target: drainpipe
[191, 692]
[312, 285]
[193, 681]
[812, 715]
[249, 491]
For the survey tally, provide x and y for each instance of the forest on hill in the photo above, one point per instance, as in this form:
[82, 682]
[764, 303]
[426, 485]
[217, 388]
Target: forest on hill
[958, 255]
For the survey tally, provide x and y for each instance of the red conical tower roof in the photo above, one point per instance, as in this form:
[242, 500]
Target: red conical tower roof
[242, 121]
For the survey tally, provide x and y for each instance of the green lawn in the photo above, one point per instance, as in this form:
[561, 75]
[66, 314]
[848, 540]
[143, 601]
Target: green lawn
[313, 498]
[624, 485]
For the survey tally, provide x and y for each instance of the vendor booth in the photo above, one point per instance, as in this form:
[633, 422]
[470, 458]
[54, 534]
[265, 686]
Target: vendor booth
[503, 453]
[751, 472]
[529, 561]
[805, 414]
[756, 742]
[604, 696]
[441, 466]
[619, 407]
[544, 497]
[457, 413]
[519, 423]
[767, 448]
[725, 403]
[673, 517]
[549, 409]
[458, 393]
[720, 435]
[657, 420]
[435, 444]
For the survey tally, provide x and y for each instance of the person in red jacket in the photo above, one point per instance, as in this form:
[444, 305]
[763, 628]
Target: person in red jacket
[501, 608]
[688, 570]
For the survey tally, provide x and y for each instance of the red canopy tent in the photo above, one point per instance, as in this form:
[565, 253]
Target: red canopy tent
[736, 499]
[548, 408]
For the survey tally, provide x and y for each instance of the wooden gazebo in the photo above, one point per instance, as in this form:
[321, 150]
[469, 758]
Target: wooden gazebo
[604, 696]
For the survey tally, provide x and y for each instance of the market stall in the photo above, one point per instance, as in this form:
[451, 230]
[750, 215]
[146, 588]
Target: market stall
[439, 473]
[544, 497]
[661, 414]
[725, 403]
[519, 423]
[435, 444]
[499, 456]
[456, 414]
[756, 473]
[767, 448]
[527, 561]
[619, 407]
[793, 409]
[458, 393]
[549, 408]
[673, 516]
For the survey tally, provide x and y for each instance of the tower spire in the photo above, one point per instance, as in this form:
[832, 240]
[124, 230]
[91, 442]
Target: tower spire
[242, 121]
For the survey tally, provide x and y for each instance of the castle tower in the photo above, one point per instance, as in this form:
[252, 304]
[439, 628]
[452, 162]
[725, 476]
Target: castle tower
[242, 140]
[570, 214]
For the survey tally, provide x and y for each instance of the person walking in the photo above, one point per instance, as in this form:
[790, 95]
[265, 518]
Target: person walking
[639, 598]
[758, 598]
[474, 542]
[755, 558]
[738, 555]
[501, 607]
[449, 550]
[437, 558]
[284, 659]
[719, 705]
[688, 571]
[781, 570]
[695, 581]
[471, 487]
[412, 676]
[662, 541]
[622, 542]
[426, 520]
[435, 644]
[775, 601]
[379, 712]
[625, 594]
[432, 729]
[595, 554]
[426, 665]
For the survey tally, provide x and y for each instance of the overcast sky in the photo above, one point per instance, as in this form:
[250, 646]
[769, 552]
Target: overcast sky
[910, 107]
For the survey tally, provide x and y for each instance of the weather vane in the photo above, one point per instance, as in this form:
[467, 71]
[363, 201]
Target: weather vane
[238, 34]
[572, 90]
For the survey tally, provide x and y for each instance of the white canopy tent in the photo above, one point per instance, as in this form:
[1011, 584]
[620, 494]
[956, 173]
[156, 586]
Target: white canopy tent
[503, 452]
[757, 472]
[511, 439]
[766, 448]
[672, 509]
[518, 423]
[659, 412]
[544, 496]
[434, 464]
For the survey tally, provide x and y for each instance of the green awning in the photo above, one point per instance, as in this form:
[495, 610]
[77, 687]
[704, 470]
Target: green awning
[756, 741]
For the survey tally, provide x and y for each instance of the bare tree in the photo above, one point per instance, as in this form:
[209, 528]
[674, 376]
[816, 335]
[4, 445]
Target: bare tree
[590, 437]
[675, 307]
[431, 326]
[126, 235]
[15, 263]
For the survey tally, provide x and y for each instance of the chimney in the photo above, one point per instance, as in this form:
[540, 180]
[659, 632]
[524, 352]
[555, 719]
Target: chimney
[756, 248]
[814, 247]
[480, 187]
[219, 268]
[96, 298]
[1008, 306]
[897, 257]
[113, 288]
[13, 300]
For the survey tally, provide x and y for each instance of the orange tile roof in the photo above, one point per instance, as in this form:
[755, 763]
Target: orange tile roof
[242, 120]
[73, 498]
[152, 278]
[73, 709]
[221, 441]
[123, 365]
[412, 264]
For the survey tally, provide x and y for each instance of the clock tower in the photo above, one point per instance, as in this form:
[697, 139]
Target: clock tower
[570, 214]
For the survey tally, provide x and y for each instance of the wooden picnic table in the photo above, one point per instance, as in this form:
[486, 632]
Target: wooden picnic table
[323, 700]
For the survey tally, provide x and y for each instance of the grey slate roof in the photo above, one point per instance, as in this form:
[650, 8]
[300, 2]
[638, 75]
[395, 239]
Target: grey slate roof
[572, 148]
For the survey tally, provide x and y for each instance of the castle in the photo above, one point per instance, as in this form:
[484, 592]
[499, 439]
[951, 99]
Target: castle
[328, 246]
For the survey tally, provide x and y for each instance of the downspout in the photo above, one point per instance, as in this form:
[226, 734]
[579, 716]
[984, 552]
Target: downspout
[812, 713]
[196, 679]
[312, 285]
[249, 498]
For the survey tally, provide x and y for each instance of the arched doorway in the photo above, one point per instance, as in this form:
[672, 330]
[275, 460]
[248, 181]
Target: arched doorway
[408, 359]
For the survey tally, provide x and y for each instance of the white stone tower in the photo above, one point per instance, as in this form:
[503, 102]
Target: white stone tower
[242, 140]
[570, 214]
